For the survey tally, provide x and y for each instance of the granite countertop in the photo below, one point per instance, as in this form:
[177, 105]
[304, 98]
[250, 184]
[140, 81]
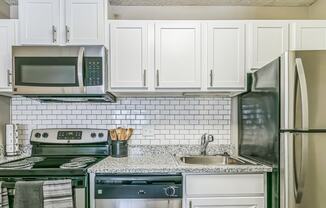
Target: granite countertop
[161, 161]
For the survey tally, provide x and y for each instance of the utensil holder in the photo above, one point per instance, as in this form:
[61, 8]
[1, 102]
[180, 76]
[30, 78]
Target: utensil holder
[119, 148]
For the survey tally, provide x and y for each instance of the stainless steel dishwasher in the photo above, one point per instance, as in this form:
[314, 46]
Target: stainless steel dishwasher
[138, 191]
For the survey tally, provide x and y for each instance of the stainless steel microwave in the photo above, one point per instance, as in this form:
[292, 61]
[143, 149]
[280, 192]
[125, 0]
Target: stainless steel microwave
[61, 73]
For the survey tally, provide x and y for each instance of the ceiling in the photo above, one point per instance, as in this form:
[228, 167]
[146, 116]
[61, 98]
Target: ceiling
[212, 2]
[202, 2]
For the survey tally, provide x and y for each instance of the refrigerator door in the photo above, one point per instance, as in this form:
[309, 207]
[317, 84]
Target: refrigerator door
[304, 142]
[307, 87]
[308, 190]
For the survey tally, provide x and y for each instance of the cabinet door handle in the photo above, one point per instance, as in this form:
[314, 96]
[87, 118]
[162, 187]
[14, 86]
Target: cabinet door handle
[145, 77]
[211, 78]
[158, 77]
[67, 34]
[9, 82]
[54, 33]
[190, 204]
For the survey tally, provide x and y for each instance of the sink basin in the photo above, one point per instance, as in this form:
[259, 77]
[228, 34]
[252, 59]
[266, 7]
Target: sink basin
[212, 160]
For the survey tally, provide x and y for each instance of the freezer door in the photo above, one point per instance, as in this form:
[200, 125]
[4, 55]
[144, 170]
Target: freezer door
[309, 191]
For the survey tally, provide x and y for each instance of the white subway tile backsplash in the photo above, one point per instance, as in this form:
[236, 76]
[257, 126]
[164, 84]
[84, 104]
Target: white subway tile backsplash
[174, 120]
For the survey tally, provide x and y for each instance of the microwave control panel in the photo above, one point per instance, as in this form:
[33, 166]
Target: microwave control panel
[93, 71]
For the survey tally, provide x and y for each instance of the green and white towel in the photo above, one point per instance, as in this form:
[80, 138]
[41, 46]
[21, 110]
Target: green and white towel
[4, 203]
[58, 194]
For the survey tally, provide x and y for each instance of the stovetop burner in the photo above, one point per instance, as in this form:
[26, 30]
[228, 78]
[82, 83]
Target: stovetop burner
[73, 165]
[23, 164]
[34, 159]
[84, 159]
[79, 162]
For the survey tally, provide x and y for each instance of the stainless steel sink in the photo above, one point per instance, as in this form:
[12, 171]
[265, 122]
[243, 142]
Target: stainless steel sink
[212, 160]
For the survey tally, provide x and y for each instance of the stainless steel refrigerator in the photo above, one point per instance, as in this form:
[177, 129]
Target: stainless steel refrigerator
[282, 122]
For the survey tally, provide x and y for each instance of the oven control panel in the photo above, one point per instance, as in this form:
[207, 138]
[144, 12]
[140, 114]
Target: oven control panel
[69, 136]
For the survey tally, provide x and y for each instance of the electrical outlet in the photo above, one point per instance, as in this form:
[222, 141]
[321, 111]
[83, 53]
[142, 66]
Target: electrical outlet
[148, 131]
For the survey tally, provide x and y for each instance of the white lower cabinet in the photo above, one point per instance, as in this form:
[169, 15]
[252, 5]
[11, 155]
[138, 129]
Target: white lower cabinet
[224, 191]
[226, 202]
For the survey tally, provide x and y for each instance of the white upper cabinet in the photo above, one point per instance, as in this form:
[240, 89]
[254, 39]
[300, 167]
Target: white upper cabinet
[178, 55]
[6, 42]
[39, 22]
[85, 22]
[129, 54]
[226, 55]
[58, 22]
[308, 35]
[268, 40]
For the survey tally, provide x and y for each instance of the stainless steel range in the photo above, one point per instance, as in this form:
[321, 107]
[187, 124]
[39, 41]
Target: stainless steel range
[59, 154]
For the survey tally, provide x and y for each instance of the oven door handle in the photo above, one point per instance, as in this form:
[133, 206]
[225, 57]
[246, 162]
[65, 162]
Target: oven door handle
[80, 70]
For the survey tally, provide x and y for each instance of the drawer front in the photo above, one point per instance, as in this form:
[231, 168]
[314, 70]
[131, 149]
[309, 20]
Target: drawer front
[252, 184]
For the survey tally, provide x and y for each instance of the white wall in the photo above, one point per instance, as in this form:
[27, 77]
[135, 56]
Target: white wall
[208, 12]
[318, 10]
[4, 10]
[174, 121]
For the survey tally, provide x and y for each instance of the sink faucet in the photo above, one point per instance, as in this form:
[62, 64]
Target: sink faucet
[205, 140]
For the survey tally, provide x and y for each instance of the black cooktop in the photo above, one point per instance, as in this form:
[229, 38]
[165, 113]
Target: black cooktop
[49, 166]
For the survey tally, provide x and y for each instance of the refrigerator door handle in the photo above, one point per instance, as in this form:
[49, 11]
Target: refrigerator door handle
[300, 179]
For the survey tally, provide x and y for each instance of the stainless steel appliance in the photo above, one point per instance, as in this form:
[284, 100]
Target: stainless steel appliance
[282, 122]
[138, 191]
[59, 154]
[61, 73]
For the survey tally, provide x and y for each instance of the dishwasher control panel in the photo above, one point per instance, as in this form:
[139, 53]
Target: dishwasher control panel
[138, 187]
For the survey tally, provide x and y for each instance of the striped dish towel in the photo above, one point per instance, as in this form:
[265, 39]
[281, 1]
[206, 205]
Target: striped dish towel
[4, 203]
[58, 194]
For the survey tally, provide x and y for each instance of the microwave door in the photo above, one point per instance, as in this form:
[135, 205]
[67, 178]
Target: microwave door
[49, 75]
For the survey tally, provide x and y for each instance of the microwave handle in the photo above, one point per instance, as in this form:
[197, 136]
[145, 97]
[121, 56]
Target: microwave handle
[80, 69]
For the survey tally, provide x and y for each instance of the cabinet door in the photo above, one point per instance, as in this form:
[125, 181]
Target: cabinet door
[39, 22]
[129, 54]
[85, 22]
[309, 35]
[226, 55]
[269, 41]
[6, 41]
[177, 55]
[226, 202]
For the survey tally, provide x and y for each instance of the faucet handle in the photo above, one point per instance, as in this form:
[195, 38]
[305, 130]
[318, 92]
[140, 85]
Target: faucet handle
[210, 138]
[203, 138]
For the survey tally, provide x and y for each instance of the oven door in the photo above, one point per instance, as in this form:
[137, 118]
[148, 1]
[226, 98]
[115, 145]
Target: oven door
[49, 75]
[80, 192]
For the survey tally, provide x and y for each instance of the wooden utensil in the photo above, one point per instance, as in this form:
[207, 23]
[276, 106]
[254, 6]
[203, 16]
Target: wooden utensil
[113, 134]
[121, 133]
[129, 133]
